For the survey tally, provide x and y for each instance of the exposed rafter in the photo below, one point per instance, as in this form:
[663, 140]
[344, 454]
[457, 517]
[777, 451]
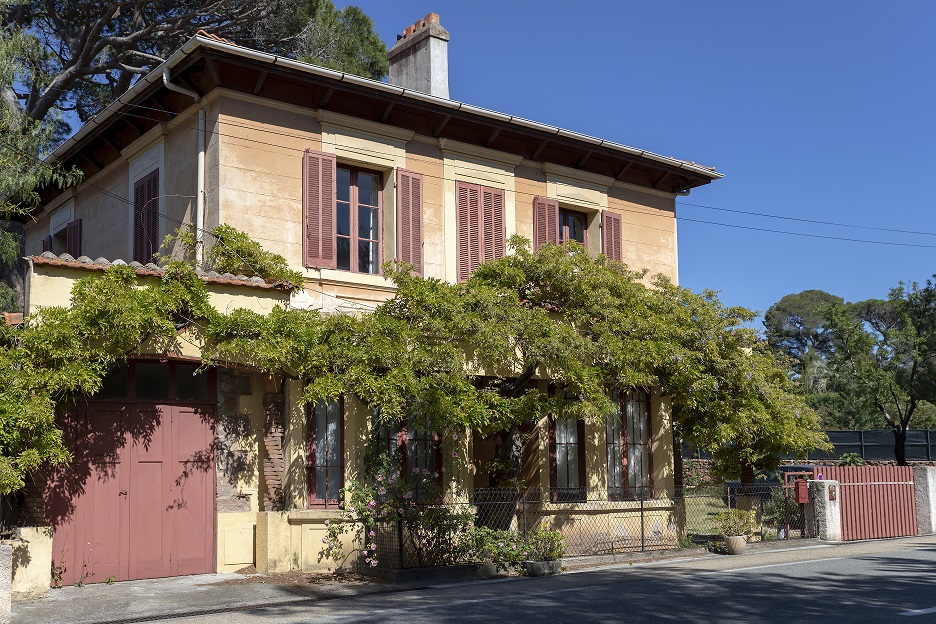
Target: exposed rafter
[260, 79]
[539, 149]
[623, 170]
[325, 98]
[91, 161]
[213, 70]
[112, 145]
[130, 122]
[387, 111]
[582, 160]
[490, 139]
[656, 183]
[441, 126]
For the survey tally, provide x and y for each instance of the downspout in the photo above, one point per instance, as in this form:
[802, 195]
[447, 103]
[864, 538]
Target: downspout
[200, 168]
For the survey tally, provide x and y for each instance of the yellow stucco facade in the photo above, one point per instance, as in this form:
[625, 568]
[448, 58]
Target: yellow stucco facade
[253, 181]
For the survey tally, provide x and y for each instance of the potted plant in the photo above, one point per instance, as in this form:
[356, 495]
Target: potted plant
[543, 552]
[736, 526]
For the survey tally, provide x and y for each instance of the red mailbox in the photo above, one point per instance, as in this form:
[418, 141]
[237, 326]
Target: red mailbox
[801, 487]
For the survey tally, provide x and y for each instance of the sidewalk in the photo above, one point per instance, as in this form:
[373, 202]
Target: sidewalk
[163, 599]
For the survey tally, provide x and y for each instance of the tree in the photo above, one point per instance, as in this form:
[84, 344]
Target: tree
[889, 350]
[795, 326]
[340, 39]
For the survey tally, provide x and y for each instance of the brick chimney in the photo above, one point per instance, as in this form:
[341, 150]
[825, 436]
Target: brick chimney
[419, 60]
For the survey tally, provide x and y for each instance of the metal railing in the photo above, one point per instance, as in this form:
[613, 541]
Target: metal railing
[590, 521]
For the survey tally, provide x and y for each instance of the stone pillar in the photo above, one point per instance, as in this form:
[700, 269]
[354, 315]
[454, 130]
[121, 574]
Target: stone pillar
[924, 490]
[824, 511]
[6, 582]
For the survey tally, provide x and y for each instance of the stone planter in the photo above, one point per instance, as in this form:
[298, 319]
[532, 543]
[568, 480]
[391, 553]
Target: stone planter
[543, 568]
[735, 544]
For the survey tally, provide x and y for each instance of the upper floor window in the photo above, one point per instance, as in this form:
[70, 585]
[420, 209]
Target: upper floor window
[357, 220]
[342, 216]
[553, 225]
[146, 217]
[628, 446]
[480, 233]
[611, 243]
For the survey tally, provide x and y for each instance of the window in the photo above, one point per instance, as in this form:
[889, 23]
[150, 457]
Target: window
[67, 239]
[611, 235]
[342, 215]
[552, 225]
[628, 447]
[325, 456]
[413, 449]
[357, 220]
[146, 217]
[572, 226]
[480, 226]
[567, 460]
[155, 381]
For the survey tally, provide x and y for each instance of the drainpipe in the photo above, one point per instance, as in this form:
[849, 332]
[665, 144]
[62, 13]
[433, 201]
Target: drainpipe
[200, 168]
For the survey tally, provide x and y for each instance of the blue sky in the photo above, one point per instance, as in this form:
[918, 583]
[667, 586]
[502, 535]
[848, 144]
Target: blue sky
[813, 110]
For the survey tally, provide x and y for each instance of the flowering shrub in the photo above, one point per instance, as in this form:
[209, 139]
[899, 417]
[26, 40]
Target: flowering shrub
[543, 545]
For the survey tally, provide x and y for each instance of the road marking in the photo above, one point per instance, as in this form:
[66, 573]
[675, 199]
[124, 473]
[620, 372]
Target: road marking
[773, 565]
[919, 611]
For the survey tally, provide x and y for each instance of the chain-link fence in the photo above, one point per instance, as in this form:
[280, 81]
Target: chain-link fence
[590, 521]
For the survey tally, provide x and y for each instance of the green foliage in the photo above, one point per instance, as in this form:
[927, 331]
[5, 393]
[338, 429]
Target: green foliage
[888, 350]
[736, 522]
[341, 39]
[851, 459]
[232, 251]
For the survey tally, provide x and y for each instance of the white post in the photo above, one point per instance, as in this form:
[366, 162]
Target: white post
[824, 511]
[6, 582]
[924, 491]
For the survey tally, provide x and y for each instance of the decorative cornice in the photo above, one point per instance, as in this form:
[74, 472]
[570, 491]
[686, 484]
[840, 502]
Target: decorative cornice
[484, 153]
[358, 125]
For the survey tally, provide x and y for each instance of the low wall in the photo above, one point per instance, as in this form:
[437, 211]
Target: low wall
[236, 540]
[293, 540]
[32, 562]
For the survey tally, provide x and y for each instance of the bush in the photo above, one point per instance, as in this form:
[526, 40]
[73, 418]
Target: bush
[736, 522]
[543, 545]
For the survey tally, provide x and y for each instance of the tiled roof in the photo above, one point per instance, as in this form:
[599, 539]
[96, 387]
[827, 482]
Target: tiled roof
[212, 277]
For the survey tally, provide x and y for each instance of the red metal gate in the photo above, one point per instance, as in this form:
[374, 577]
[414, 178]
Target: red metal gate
[137, 501]
[876, 501]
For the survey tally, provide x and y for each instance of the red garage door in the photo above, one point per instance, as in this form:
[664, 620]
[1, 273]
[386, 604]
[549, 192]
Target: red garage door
[137, 501]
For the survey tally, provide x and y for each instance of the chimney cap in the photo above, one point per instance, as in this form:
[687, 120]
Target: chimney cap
[431, 18]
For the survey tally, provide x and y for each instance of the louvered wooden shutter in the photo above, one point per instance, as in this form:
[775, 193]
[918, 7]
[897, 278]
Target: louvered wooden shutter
[611, 235]
[74, 238]
[318, 210]
[47, 244]
[409, 218]
[146, 217]
[545, 222]
[492, 205]
[468, 228]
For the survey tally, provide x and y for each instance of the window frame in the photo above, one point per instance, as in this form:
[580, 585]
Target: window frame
[627, 490]
[146, 217]
[563, 228]
[353, 206]
[312, 499]
[558, 494]
[130, 395]
[402, 447]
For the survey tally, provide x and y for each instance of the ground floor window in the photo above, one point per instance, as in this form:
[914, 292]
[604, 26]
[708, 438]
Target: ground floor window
[628, 446]
[412, 448]
[567, 460]
[325, 457]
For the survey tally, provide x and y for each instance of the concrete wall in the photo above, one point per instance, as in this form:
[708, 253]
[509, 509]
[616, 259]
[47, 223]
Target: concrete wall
[32, 560]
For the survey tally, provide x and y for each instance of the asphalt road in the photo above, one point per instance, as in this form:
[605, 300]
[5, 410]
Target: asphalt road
[883, 581]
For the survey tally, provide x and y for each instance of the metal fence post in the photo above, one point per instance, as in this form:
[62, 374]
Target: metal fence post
[861, 443]
[643, 531]
[523, 504]
[400, 542]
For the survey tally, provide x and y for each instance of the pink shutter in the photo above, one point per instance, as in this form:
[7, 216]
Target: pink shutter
[318, 210]
[611, 235]
[497, 233]
[468, 243]
[47, 244]
[74, 238]
[545, 222]
[152, 214]
[409, 218]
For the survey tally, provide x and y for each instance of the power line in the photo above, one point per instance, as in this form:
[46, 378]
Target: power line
[850, 240]
[773, 216]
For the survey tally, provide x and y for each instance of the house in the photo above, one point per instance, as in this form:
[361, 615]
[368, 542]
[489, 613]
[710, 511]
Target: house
[338, 174]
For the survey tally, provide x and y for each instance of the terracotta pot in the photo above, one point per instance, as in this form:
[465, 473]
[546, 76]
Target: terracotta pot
[734, 544]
